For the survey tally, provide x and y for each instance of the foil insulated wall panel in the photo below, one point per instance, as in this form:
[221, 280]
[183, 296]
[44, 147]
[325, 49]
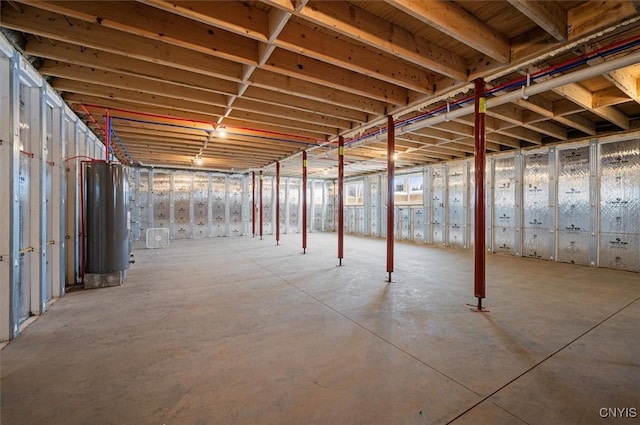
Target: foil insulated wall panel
[235, 206]
[218, 206]
[134, 204]
[293, 205]
[403, 223]
[350, 220]
[383, 205]
[317, 204]
[457, 212]
[282, 204]
[374, 208]
[268, 201]
[573, 206]
[535, 197]
[619, 244]
[330, 202]
[504, 206]
[144, 201]
[417, 224]
[182, 188]
[438, 213]
[201, 206]
[160, 199]
[360, 221]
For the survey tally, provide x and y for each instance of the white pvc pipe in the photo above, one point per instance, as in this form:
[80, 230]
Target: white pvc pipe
[583, 74]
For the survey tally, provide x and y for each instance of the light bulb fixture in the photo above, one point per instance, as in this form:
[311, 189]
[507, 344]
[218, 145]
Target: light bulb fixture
[198, 160]
[222, 130]
[395, 156]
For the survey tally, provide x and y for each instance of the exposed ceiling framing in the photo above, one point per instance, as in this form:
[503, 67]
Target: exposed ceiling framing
[285, 76]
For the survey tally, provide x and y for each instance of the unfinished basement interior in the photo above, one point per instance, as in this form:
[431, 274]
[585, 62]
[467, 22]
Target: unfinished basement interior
[319, 212]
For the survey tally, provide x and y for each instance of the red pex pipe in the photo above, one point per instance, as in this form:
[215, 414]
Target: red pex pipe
[340, 198]
[304, 202]
[214, 125]
[391, 150]
[479, 224]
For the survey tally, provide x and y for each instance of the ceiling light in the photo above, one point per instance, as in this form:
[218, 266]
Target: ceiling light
[198, 160]
[395, 156]
[222, 131]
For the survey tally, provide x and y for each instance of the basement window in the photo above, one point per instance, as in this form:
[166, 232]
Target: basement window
[355, 193]
[408, 190]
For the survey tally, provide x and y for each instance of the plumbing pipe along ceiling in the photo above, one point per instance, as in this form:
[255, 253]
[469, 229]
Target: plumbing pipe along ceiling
[236, 86]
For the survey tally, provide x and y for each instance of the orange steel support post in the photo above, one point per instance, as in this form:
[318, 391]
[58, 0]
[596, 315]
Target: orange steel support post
[253, 204]
[277, 203]
[391, 148]
[340, 198]
[304, 202]
[261, 224]
[479, 225]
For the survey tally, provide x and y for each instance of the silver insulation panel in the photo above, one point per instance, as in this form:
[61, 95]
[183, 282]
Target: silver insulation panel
[160, 199]
[330, 206]
[417, 224]
[504, 206]
[24, 208]
[182, 189]
[144, 201]
[218, 206]
[456, 205]
[374, 196]
[234, 201]
[282, 204]
[535, 197]
[317, 205]
[293, 205]
[268, 215]
[573, 205]
[201, 206]
[134, 206]
[439, 211]
[619, 244]
[403, 223]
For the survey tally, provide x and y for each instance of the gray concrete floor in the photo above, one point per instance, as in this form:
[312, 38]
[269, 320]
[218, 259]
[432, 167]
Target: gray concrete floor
[240, 331]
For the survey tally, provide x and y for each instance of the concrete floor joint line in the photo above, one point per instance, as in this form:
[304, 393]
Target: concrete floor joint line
[362, 326]
[543, 360]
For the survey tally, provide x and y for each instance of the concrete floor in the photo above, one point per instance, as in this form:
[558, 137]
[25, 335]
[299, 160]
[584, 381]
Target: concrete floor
[240, 331]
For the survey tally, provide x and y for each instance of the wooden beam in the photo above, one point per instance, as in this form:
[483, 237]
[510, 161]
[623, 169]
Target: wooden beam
[626, 81]
[99, 59]
[283, 84]
[58, 27]
[453, 20]
[610, 96]
[583, 97]
[301, 39]
[318, 72]
[359, 25]
[592, 16]
[546, 14]
[154, 24]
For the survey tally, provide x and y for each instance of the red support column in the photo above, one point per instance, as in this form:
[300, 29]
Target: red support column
[479, 224]
[277, 203]
[304, 202]
[108, 135]
[261, 224]
[340, 198]
[391, 150]
[253, 204]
